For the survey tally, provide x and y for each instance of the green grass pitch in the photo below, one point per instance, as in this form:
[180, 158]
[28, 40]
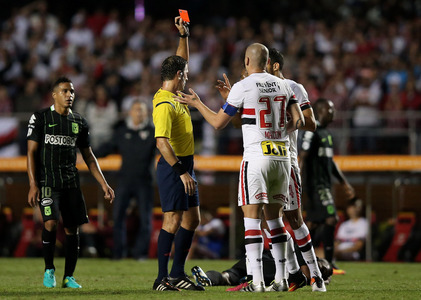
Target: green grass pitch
[129, 279]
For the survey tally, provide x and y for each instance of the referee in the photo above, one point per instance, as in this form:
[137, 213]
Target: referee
[175, 176]
[54, 133]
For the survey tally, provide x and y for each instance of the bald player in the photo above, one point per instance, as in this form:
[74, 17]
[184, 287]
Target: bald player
[265, 168]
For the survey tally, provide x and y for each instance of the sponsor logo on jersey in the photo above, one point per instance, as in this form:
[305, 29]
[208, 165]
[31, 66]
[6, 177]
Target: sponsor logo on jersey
[325, 152]
[46, 201]
[47, 211]
[52, 125]
[75, 128]
[61, 140]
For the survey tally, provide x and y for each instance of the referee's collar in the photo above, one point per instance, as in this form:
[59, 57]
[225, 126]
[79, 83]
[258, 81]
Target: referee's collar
[53, 109]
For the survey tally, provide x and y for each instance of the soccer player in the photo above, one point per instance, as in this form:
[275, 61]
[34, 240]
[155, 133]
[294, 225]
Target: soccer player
[292, 209]
[54, 134]
[266, 166]
[175, 175]
[318, 166]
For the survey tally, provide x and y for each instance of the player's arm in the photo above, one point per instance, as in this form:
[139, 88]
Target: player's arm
[164, 146]
[297, 119]
[349, 190]
[309, 119]
[183, 44]
[94, 168]
[218, 120]
[34, 193]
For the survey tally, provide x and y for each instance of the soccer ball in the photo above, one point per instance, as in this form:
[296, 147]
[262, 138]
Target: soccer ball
[325, 268]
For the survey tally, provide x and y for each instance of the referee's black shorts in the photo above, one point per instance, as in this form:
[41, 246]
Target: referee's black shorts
[171, 189]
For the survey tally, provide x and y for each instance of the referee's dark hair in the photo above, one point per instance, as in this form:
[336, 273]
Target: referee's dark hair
[61, 79]
[276, 57]
[171, 65]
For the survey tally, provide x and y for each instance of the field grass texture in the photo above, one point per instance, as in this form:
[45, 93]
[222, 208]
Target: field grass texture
[129, 279]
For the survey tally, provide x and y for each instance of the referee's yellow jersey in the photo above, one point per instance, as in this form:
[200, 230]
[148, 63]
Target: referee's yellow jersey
[172, 120]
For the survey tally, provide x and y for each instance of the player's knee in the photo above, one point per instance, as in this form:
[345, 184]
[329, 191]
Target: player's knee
[71, 230]
[171, 223]
[332, 221]
[51, 225]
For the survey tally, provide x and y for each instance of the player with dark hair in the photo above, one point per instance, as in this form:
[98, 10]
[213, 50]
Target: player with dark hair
[237, 274]
[54, 134]
[318, 166]
[292, 209]
[177, 186]
[264, 175]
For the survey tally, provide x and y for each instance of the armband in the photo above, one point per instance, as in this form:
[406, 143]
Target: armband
[229, 109]
[179, 168]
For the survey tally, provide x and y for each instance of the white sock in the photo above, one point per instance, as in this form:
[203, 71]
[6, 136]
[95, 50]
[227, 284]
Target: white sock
[303, 238]
[254, 248]
[279, 247]
[292, 262]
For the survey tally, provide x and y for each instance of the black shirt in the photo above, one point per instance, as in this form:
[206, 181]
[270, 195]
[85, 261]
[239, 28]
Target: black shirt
[137, 149]
[318, 163]
[58, 137]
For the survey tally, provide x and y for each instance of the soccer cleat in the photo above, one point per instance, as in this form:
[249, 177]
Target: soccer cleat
[70, 282]
[201, 278]
[281, 286]
[164, 285]
[317, 284]
[184, 283]
[296, 281]
[254, 288]
[238, 287]
[49, 278]
[338, 271]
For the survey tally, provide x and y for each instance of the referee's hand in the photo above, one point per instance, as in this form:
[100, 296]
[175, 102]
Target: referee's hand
[189, 183]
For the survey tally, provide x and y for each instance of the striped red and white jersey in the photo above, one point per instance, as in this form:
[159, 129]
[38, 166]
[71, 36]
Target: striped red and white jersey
[264, 99]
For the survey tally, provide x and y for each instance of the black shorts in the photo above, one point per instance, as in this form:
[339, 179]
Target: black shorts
[69, 202]
[171, 189]
[320, 205]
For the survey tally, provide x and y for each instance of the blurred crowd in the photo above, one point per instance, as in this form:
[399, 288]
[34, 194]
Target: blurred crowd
[365, 63]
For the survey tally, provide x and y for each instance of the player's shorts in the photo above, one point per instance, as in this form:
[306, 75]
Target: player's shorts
[294, 193]
[263, 181]
[171, 189]
[320, 205]
[69, 202]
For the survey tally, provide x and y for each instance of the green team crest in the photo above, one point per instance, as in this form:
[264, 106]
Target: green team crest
[75, 128]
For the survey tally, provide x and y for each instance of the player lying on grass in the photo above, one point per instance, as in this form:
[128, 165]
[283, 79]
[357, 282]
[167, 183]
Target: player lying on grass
[239, 277]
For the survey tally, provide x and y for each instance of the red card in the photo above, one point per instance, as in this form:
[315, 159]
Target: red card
[184, 15]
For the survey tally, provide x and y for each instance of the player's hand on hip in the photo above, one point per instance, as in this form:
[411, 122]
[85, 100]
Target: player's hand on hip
[33, 196]
[108, 193]
[189, 183]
